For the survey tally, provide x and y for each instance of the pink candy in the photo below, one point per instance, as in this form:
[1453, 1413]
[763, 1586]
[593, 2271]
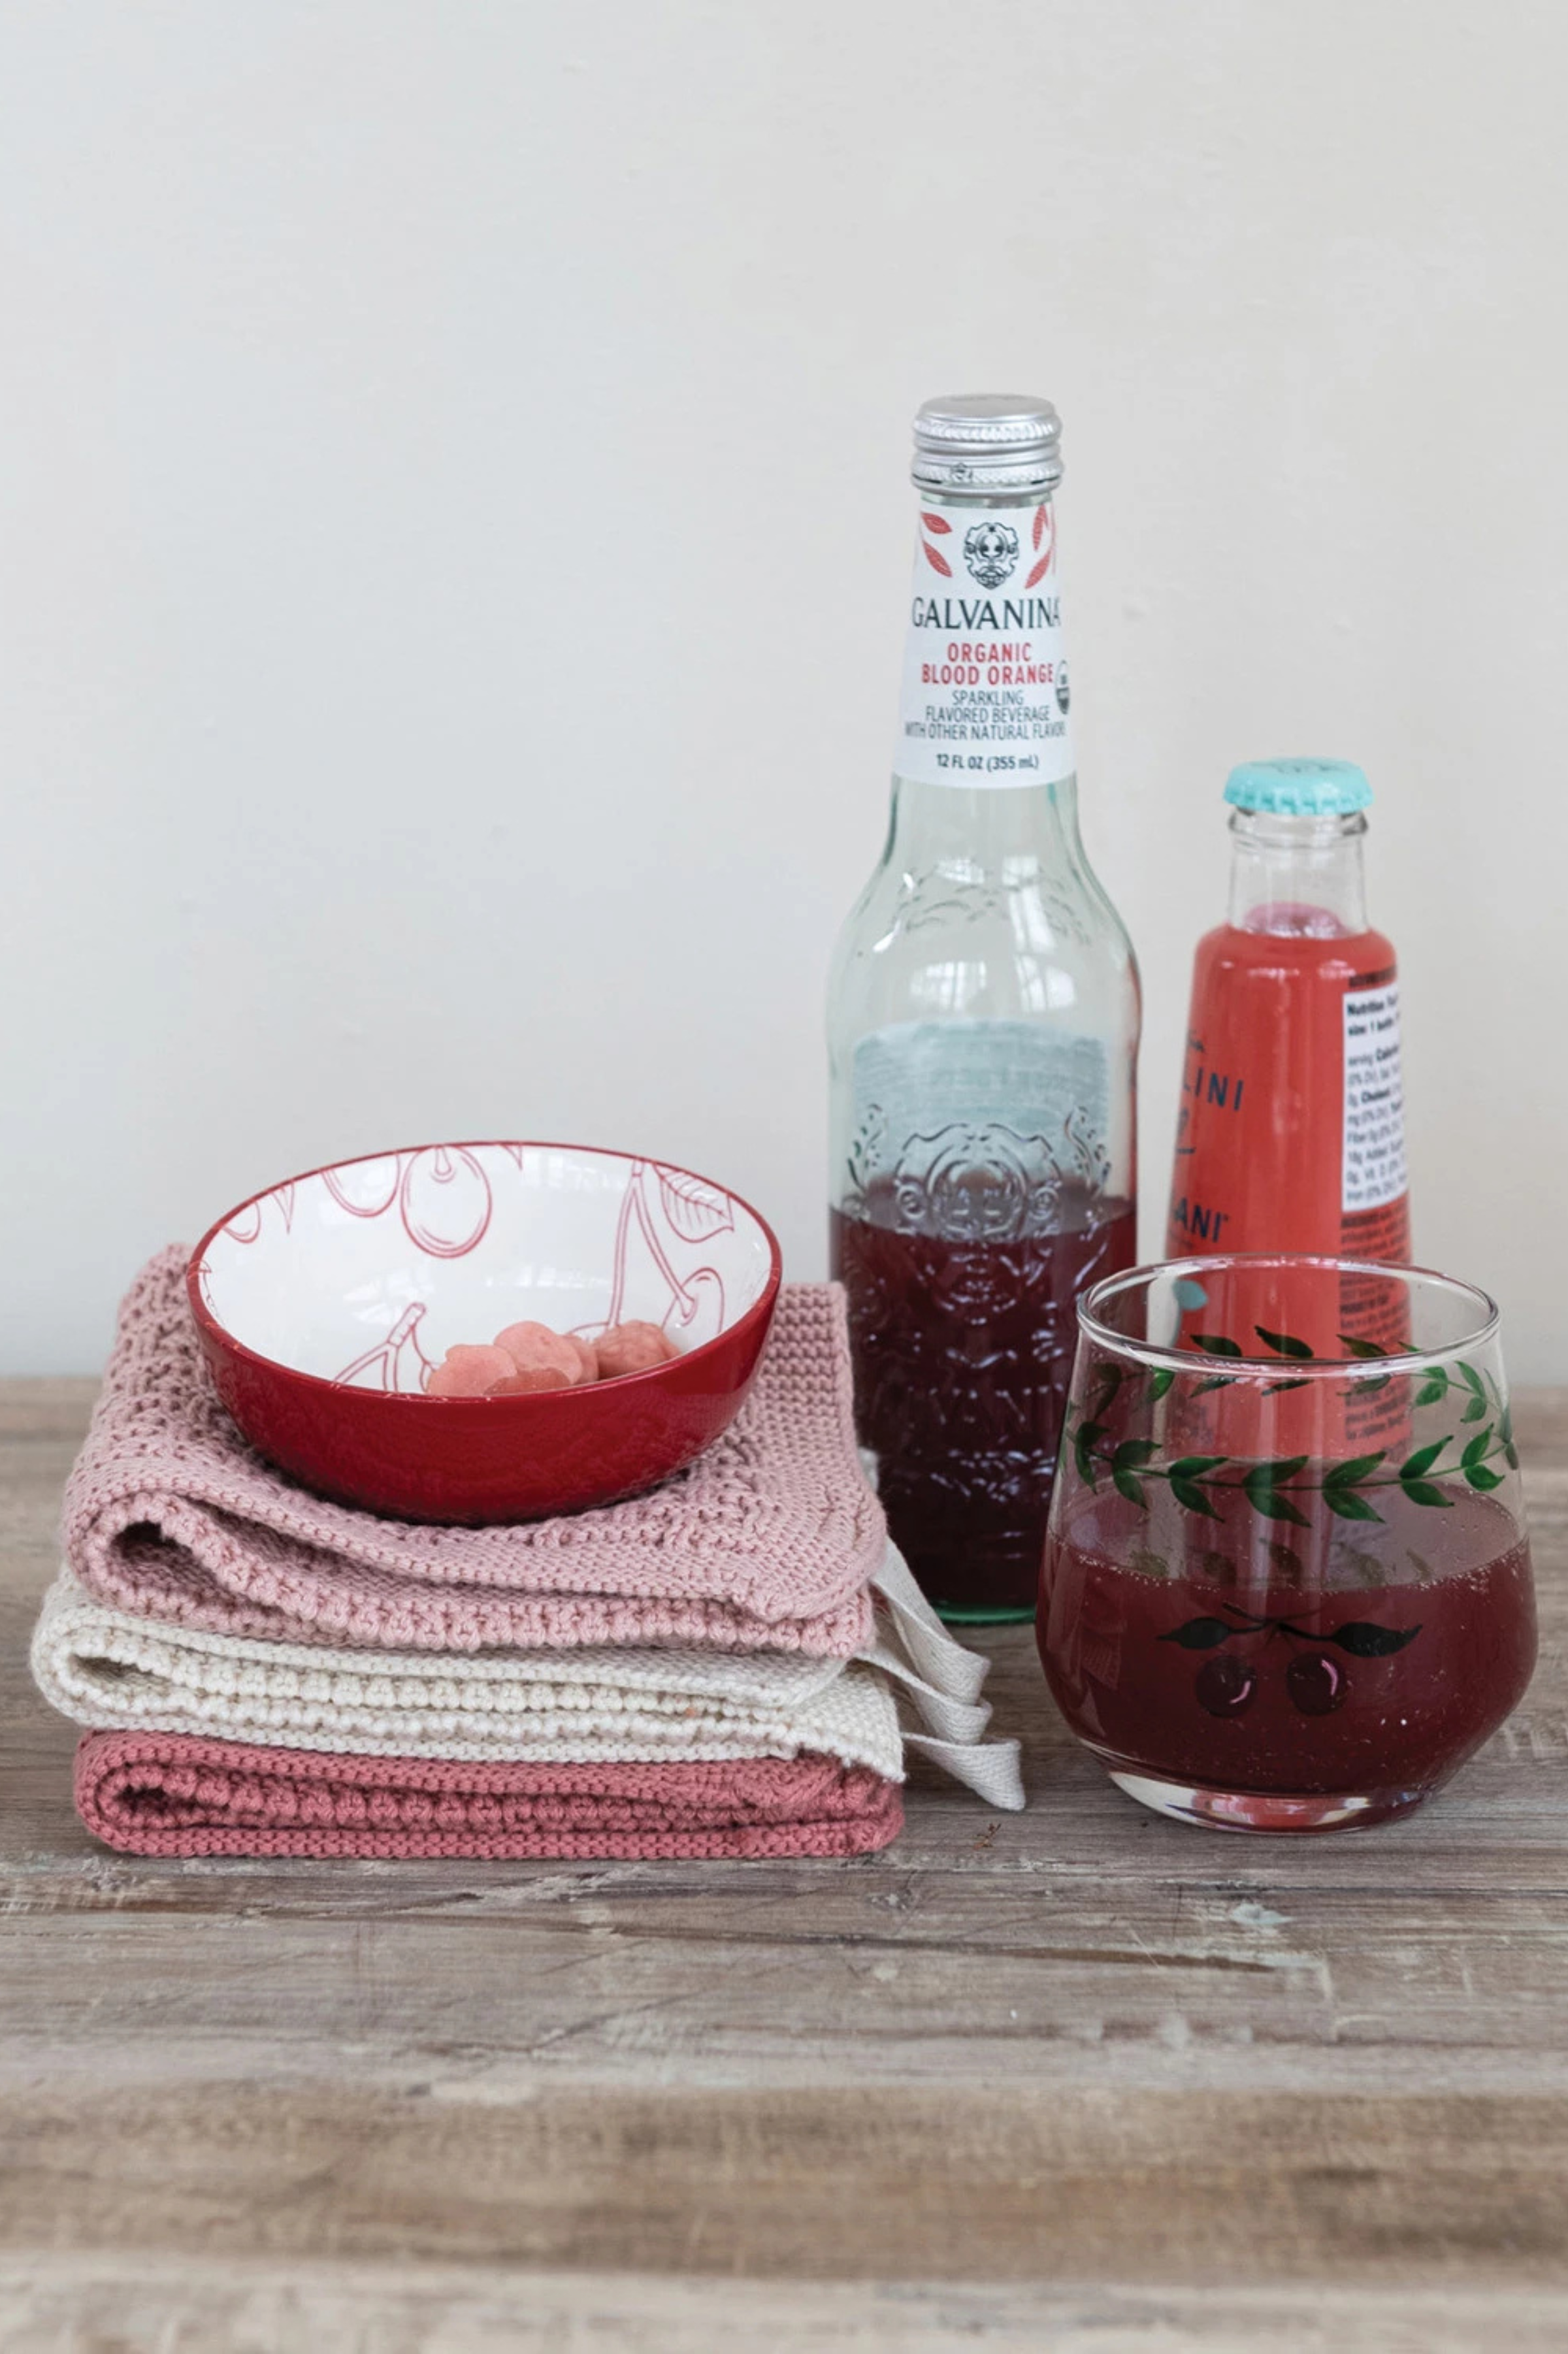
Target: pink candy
[534, 1349]
[631, 1349]
[529, 1356]
[470, 1373]
[532, 1377]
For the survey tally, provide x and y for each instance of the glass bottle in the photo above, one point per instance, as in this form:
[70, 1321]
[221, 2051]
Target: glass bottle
[1292, 1134]
[983, 1026]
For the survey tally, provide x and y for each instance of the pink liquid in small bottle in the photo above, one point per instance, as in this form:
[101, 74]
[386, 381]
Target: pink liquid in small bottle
[1291, 1130]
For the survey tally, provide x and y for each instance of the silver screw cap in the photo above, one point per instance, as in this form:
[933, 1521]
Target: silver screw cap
[987, 441]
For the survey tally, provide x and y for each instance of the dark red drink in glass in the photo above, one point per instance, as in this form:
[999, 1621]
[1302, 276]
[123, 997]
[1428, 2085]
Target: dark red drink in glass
[1253, 1619]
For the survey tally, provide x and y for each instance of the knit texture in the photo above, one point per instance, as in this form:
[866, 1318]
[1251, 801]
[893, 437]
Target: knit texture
[767, 1541]
[165, 1794]
[106, 1668]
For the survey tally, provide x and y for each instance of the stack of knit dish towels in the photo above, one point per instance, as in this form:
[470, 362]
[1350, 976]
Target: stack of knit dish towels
[715, 1668]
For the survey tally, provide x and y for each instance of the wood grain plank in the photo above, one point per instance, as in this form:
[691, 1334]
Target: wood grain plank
[1004, 2184]
[1540, 1427]
[50, 1409]
[1077, 2043]
[1142, 1987]
[69, 2304]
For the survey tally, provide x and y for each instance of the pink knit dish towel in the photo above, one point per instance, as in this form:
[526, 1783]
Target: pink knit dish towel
[169, 1794]
[766, 1543]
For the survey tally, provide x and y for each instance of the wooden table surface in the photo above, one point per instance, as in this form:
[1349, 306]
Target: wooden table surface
[1077, 2078]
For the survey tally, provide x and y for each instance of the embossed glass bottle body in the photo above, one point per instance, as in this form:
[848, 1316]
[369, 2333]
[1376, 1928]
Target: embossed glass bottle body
[983, 1034]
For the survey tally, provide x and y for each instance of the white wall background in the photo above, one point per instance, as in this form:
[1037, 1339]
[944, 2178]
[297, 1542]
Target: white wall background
[455, 539]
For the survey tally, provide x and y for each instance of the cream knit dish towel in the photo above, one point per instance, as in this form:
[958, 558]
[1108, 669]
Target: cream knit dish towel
[109, 1669]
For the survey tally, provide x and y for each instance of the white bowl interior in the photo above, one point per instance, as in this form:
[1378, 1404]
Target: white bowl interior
[368, 1272]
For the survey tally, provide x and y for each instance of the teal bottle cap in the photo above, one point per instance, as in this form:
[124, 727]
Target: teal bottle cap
[1298, 787]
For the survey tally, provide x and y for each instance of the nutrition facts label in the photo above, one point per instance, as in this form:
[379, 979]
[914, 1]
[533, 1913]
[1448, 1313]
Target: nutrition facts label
[1374, 1171]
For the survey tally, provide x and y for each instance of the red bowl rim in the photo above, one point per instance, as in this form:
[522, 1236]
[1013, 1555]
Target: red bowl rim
[761, 1308]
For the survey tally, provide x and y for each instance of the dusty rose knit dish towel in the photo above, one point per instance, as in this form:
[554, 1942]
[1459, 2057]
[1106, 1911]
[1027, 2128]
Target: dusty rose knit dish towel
[168, 1793]
[767, 1541]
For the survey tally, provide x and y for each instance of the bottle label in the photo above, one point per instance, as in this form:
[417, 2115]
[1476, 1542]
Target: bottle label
[985, 675]
[1263, 1161]
[979, 1130]
[1373, 1162]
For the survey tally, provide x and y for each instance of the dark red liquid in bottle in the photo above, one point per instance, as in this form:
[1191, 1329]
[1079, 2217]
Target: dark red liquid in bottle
[1224, 1657]
[962, 1355]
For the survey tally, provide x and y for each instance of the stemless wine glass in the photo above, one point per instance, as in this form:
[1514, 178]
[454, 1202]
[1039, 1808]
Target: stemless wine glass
[1287, 1583]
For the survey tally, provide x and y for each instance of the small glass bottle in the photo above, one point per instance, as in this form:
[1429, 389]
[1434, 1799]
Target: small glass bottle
[984, 1027]
[1291, 1134]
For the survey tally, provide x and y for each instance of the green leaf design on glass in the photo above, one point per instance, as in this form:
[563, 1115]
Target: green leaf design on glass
[1347, 1504]
[1366, 1640]
[1184, 1475]
[1263, 1485]
[1129, 1458]
[1505, 1433]
[1473, 1463]
[1201, 1634]
[1355, 1468]
[1278, 1490]
[1282, 1467]
[1341, 1482]
[1421, 1462]
[1422, 1491]
[1085, 1439]
[1215, 1344]
[1434, 1389]
[1357, 1348]
[1284, 1345]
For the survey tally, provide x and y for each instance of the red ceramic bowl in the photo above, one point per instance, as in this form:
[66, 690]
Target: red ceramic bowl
[323, 1303]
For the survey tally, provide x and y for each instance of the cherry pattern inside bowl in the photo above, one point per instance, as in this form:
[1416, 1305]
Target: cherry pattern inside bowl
[323, 1304]
[365, 1273]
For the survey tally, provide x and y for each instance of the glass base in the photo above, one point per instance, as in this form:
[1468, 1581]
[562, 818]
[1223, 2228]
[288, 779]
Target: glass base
[979, 1614]
[1265, 1810]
